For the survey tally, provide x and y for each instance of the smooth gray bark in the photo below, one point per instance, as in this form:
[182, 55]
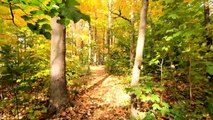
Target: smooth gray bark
[139, 54]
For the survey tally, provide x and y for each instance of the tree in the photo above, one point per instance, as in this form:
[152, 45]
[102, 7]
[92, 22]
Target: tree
[207, 22]
[90, 47]
[58, 92]
[109, 25]
[60, 11]
[132, 51]
[121, 13]
[139, 54]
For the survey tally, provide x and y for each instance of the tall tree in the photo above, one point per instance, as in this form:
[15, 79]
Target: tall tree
[58, 92]
[208, 35]
[132, 34]
[90, 47]
[109, 25]
[95, 60]
[139, 54]
[61, 12]
[207, 22]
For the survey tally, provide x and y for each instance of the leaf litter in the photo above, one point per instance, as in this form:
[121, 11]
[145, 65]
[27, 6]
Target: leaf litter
[102, 97]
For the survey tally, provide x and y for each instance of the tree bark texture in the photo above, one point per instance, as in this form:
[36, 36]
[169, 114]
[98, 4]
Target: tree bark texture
[139, 54]
[58, 92]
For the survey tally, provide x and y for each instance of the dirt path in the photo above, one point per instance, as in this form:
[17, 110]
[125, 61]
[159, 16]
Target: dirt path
[103, 98]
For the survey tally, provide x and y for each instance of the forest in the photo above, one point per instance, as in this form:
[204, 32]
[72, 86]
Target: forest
[106, 59]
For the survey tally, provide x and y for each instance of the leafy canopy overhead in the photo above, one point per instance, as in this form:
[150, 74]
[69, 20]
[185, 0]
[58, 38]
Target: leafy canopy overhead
[65, 9]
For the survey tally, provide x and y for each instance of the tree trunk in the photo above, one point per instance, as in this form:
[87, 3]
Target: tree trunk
[132, 51]
[109, 25]
[206, 12]
[207, 21]
[139, 55]
[90, 47]
[208, 36]
[103, 47]
[58, 100]
[95, 48]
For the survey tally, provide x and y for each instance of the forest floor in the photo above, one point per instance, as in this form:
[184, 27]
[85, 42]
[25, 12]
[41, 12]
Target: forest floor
[98, 96]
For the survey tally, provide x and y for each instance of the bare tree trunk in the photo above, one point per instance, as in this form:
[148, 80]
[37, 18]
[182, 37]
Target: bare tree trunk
[206, 12]
[81, 55]
[90, 47]
[95, 49]
[132, 51]
[58, 100]
[139, 55]
[103, 47]
[207, 21]
[75, 42]
[190, 77]
[208, 36]
[109, 25]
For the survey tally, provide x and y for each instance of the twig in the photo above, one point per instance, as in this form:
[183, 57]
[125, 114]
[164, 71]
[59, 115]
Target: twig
[119, 15]
[11, 12]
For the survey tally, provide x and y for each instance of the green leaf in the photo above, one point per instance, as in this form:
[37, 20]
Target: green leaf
[35, 2]
[150, 116]
[164, 110]
[37, 12]
[31, 26]
[168, 38]
[71, 3]
[67, 21]
[15, 7]
[155, 98]
[128, 89]
[37, 113]
[42, 20]
[58, 1]
[26, 18]
[47, 35]
[52, 12]
[156, 106]
[164, 104]
[209, 68]
[173, 16]
[46, 27]
[199, 102]
[74, 14]
[148, 89]
[144, 98]
[138, 92]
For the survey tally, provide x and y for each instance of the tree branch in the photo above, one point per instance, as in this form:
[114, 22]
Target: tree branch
[119, 15]
[11, 12]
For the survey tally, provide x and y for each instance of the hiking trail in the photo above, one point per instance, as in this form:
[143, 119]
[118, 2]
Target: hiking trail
[102, 97]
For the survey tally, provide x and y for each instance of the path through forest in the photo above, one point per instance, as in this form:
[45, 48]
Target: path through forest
[103, 97]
